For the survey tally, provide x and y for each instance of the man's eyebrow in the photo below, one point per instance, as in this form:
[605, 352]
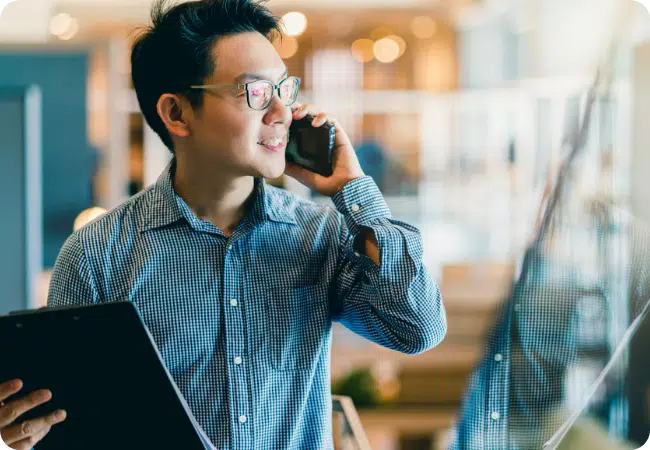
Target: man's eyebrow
[256, 76]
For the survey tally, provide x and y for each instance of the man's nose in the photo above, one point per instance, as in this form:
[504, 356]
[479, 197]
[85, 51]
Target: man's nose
[277, 112]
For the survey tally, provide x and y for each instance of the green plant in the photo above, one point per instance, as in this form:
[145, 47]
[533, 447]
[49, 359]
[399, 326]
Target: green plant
[360, 386]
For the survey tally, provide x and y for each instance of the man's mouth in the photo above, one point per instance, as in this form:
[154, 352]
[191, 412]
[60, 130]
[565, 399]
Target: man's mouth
[274, 144]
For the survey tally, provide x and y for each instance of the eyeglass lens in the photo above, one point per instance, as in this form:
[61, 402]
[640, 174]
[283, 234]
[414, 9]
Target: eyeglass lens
[260, 93]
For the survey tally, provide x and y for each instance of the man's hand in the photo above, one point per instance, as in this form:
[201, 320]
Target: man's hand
[24, 435]
[346, 165]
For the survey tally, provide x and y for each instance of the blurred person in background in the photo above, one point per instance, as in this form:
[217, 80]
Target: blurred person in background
[239, 282]
[372, 158]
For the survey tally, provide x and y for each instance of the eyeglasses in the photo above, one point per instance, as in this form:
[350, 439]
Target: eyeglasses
[259, 94]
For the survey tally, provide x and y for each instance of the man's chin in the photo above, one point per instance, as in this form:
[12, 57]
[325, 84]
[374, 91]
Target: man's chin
[271, 171]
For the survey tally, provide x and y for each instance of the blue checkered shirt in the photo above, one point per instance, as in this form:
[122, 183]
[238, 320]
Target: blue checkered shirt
[243, 323]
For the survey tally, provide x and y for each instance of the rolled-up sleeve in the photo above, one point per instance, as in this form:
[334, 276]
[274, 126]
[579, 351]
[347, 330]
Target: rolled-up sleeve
[396, 304]
[71, 282]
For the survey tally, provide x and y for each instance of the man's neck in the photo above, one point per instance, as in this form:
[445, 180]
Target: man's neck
[219, 199]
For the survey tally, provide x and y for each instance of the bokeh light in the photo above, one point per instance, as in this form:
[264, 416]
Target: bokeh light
[362, 50]
[380, 32]
[60, 24]
[386, 50]
[71, 31]
[295, 23]
[423, 27]
[286, 47]
[401, 43]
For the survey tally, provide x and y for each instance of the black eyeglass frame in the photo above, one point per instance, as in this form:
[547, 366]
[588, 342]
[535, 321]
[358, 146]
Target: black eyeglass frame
[246, 87]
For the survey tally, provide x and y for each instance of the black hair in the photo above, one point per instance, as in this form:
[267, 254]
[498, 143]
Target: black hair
[175, 51]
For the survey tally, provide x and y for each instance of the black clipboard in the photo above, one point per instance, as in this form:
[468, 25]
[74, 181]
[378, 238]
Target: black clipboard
[104, 369]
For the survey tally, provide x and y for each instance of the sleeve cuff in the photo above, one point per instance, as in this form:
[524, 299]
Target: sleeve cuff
[361, 203]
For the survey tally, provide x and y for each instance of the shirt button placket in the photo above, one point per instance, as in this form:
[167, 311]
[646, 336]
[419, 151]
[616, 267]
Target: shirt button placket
[497, 394]
[235, 343]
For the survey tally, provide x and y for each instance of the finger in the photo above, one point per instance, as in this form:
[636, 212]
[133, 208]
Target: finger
[344, 154]
[295, 106]
[301, 112]
[9, 388]
[31, 428]
[341, 138]
[13, 410]
[306, 177]
[28, 443]
[319, 120]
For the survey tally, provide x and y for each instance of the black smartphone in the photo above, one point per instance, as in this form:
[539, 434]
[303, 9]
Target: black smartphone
[311, 147]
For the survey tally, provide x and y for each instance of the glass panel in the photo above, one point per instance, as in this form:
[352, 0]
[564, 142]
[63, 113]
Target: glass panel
[580, 296]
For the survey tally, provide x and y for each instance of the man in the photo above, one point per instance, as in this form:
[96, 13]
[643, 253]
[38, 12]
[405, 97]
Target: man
[237, 281]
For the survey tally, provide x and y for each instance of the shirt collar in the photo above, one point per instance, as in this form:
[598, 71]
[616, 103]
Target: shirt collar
[167, 207]
[162, 208]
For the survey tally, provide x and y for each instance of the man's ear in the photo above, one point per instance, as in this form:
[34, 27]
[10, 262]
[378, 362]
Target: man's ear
[174, 112]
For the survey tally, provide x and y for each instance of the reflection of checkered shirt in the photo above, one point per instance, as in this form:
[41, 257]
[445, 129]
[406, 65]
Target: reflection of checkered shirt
[243, 323]
[555, 319]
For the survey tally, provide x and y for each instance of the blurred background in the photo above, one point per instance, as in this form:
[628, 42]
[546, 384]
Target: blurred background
[459, 109]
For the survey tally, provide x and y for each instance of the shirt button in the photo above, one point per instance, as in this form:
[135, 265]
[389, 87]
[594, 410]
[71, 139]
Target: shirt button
[356, 254]
[237, 360]
[495, 415]
[233, 302]
[356, 208]
[229, 246]
[242, 419]
[498, 357]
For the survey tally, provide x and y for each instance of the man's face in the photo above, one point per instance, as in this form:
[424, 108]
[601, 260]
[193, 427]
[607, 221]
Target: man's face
[225, 132]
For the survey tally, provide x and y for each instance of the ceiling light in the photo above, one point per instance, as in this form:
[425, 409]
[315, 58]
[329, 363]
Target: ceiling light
[362, 50]
[386, 50]
[423, 27]
[295, 23]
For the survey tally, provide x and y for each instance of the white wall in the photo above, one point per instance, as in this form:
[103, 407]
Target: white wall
[156, 156]
[485, 54]
[545, 38]
[25, 21]
[569, 36]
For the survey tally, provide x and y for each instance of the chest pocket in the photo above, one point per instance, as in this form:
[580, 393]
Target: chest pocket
[298, 326]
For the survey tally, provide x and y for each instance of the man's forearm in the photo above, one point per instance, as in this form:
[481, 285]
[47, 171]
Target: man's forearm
[368, 245]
